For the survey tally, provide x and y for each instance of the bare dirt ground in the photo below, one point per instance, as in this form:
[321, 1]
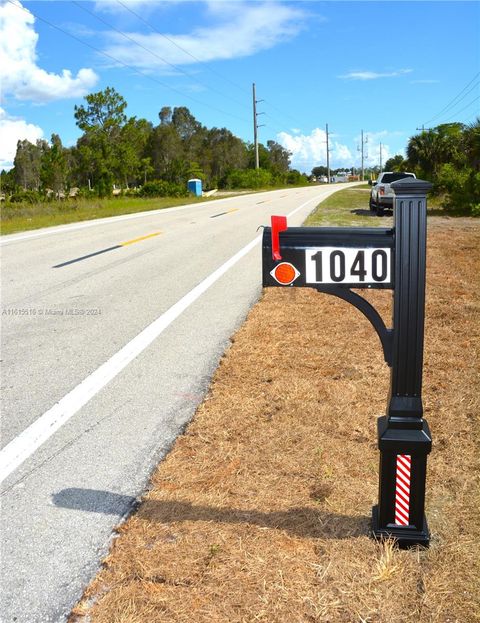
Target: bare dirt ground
[261, 511]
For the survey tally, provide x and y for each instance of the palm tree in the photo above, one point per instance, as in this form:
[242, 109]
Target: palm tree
[471, 144]
[423, 152]
[432, 148]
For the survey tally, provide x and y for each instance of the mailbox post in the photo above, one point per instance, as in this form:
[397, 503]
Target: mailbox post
[336, 260]
[404, 438]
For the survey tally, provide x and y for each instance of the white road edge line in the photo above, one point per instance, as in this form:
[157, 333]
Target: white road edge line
[25, 444]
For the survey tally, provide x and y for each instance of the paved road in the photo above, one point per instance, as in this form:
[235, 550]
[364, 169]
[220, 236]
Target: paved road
[107, 350]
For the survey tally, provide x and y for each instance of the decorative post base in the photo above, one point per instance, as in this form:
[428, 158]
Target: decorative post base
[406, 536]
[403, 462]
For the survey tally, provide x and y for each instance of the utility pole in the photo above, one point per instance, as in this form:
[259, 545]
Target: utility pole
[381, 169]
[364, 142]
[255, 125]
[328, 157]
[361, 139]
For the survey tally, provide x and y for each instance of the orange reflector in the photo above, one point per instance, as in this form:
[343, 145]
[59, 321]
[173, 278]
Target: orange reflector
[285, 273]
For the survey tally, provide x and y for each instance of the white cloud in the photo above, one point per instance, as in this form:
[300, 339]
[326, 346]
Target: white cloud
[112, 6]
[373, 75]
[237, 29]
[372, 147]
[310, 150]
[20, 75]
[12, 130]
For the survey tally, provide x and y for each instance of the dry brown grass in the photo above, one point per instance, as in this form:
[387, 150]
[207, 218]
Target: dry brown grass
[261, 510]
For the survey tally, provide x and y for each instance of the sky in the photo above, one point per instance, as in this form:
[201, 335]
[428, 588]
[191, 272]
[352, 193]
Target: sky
[387, 68]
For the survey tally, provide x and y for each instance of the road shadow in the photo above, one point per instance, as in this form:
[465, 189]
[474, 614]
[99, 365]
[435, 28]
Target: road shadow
[95, 501]
[365, 212]
[301, 521]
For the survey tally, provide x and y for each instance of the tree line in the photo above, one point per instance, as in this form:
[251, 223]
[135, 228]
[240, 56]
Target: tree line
[449, 156]
[116, 151]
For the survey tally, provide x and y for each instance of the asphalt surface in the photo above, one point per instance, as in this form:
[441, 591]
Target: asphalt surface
[72, 298]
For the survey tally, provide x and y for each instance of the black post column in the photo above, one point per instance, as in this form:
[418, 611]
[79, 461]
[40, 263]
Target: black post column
[404, 438]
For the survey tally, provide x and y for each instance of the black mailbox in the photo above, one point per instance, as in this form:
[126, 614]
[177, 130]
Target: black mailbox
[347, 257]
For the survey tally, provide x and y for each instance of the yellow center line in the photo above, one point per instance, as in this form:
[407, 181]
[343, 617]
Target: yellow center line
[124, 244]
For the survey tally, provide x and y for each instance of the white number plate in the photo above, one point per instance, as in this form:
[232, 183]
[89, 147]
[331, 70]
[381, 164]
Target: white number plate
[347, 265]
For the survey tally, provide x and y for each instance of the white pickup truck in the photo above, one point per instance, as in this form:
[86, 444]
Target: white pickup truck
[381, 195]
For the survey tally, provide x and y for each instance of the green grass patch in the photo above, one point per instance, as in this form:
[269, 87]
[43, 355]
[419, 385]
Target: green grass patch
[23, 217]
[17, 217]
[348, 208]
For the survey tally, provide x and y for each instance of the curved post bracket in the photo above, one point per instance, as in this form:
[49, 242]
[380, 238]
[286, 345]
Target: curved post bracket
[385, 335]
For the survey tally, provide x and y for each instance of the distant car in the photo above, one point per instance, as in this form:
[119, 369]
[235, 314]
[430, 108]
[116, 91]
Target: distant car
[381, 195]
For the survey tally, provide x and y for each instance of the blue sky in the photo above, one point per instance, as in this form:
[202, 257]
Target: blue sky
[384, 67]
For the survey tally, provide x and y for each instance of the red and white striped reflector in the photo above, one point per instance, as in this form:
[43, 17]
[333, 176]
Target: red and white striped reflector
[402, 489]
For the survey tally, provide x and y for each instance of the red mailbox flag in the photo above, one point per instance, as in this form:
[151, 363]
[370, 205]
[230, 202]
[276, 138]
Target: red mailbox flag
[279, 223]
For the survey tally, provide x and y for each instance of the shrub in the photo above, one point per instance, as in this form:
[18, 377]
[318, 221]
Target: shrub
[85, 193]
[160, 188]
[132, 192]
[462, 187]
[250, 178]
[103, 187]
[296, 178]
[25, 196]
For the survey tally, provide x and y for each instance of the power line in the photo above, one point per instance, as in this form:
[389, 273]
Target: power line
[203, 63]
[273, 126]
[145, 74]
[120, 32]
[454, 101]
[475, 117]
[127, 8]
[475, 86]
[465, 108]
[116, 60]
[128, 38]
[282, 112]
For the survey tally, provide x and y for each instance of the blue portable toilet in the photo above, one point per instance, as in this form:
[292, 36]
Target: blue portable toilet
[195, 187]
